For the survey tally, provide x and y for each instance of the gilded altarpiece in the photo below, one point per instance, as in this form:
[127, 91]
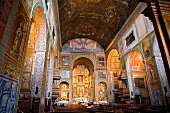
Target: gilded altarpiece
[81, 83]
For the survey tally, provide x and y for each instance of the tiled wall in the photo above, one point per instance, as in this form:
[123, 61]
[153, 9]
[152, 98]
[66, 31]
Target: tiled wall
[8, 90]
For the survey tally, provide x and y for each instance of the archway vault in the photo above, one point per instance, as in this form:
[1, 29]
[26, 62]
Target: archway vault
[83, 80]
[84, 61]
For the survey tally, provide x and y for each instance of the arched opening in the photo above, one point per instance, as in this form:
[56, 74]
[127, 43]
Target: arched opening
[102, 92]
[83, 80]
[137, 79]
[32, 78]
[113, 67]
[64, 91]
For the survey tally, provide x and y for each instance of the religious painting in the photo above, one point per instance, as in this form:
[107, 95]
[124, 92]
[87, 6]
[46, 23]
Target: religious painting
[102, 74]
[65, 60]
[26, 82]
[153, 76]
[64, 74]
[139, 83]
[64, 91]
[28, 64]
[17, 38]
[102, 91]
[101, 61]
[146, 47]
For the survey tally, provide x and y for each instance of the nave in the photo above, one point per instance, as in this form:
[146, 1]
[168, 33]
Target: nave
[73, 51]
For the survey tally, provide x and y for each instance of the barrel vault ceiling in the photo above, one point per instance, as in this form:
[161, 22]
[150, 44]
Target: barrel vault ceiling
[99, 20]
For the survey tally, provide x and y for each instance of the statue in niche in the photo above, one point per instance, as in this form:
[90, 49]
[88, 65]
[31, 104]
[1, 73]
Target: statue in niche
[17, 40]
[80, 79]
[74, 92]
[74, 79]
[86, 92]
[80, 92]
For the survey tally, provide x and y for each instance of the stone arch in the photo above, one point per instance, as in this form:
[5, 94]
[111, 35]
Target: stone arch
[91, 58]
[39, 3]
[113, 72]
[158, 62]
[128, 57]
[113, 52]
[40, 48]
[39, 17]
[137, 78]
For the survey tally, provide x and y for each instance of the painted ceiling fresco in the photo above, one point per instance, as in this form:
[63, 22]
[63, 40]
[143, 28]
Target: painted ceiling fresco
[82, 44]
[99, 20]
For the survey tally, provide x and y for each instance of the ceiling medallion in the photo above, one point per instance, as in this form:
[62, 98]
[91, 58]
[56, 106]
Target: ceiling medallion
[85, 29]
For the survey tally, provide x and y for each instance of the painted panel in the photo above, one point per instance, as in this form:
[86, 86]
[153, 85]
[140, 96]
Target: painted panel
[8, 90]
[102, 74]
[146, 48]
[26, 82]
[64, 74]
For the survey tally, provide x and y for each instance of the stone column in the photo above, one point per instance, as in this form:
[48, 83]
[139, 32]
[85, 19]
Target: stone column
[161, 70]
[71, 88]
[130, 83]
[95, 85]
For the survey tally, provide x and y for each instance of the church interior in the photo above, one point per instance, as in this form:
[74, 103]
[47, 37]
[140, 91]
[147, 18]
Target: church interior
[57, 53]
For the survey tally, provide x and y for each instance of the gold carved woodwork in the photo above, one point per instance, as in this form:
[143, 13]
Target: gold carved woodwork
[81, 82]
[64, 91]
[17, 39]
[9, 68]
